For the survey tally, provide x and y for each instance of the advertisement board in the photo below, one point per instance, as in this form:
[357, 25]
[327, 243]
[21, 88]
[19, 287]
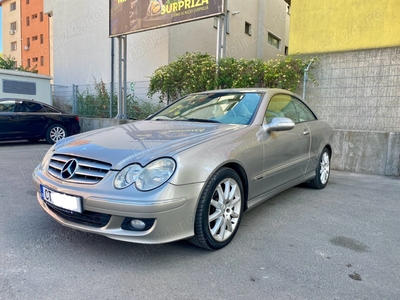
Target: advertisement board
[129, 16]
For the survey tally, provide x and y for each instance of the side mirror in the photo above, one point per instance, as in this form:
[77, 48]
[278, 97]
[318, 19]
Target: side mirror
[279, 124]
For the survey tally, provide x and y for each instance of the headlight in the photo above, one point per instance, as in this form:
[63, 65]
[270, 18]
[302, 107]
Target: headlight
[147, 178]
[127, 176]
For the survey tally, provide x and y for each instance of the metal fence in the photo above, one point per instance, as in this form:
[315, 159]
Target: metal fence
[95, 101]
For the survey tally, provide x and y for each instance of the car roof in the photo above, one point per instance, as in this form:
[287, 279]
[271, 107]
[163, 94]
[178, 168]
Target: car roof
[21, 99]
[250, 90]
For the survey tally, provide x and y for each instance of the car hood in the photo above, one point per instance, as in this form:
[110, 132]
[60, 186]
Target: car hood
[141, 141]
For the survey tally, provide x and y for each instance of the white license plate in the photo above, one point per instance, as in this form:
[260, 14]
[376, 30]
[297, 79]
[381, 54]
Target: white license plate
[72, 203]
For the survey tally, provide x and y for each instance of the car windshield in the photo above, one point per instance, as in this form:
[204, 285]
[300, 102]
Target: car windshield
[226, 108]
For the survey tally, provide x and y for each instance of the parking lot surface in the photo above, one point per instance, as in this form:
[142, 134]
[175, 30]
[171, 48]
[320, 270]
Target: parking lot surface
[342, 242]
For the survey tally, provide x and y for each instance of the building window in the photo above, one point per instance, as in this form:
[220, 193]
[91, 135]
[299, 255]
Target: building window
[34, 38]
[274, 41]
[13, 6]
[42, 61]
[247, 28]
[34, 16]
[29, 63]
[28, 42]
[27, 2]
[13, 46]
[41, 39]
[286, 50]
[28, 22]
[41, 16]
[13, 27]
[35, 59]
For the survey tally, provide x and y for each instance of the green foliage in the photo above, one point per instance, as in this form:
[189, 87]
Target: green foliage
[9, 63]
[191, 73]
[194, 72]
[97, 104]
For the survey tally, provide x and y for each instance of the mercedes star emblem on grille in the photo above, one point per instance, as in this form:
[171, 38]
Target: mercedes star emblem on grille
[69, 168]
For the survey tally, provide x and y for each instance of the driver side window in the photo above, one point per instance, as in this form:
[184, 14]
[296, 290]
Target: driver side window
[286, 106]
[281, 106]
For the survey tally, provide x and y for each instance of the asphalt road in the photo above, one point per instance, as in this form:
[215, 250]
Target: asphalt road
[342, 242]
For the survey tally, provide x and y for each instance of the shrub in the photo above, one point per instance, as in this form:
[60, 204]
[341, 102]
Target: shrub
[195, 72]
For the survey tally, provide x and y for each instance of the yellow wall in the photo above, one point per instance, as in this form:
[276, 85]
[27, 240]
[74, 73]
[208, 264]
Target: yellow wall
[319, 26]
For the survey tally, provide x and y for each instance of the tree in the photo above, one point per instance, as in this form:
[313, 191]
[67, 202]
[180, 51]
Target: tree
[9, 63]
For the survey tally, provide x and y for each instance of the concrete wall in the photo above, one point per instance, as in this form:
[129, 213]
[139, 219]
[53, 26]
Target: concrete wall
[366, 152]
[42, 82]
[358, 93]
[358, 90]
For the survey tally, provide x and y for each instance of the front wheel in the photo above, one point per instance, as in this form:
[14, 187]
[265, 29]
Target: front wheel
[219, 211]
[322, 171]
[55, 133]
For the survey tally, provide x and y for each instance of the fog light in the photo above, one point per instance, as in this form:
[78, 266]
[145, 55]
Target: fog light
[138, 224]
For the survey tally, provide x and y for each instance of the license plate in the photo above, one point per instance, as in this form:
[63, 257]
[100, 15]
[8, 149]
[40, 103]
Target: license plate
[68, 202]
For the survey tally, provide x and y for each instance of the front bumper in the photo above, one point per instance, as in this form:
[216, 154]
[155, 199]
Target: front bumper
[168, 211]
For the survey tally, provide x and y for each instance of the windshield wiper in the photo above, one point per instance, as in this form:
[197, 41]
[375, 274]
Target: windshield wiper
[202, 120]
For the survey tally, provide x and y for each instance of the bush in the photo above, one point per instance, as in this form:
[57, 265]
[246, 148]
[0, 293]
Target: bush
[195, 72]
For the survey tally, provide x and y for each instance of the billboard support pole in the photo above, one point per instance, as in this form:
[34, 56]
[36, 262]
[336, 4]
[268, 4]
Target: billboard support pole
[221, 34]
[112, 76]
[122, 52]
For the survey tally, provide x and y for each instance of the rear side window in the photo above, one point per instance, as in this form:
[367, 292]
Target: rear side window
[50, 109]
[7, 106]
[30, 107]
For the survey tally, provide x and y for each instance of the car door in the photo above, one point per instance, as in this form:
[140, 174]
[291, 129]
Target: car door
[286, 153]
[8, 119]
[32, 120]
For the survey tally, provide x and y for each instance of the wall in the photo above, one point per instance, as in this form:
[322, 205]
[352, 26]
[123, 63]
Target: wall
[358, 90]
[38, 29]
[8, 18]
[43, 91]
[343, 25]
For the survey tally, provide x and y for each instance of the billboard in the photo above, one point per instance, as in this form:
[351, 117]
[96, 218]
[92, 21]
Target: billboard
[129, 16]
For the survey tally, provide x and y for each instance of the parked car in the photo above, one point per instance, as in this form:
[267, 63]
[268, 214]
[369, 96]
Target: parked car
[22, 119]
[189, 171]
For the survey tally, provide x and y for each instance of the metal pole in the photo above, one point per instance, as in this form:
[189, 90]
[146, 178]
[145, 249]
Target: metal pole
[119, 114]
[124, 115]
[305, 78]
[112, 76]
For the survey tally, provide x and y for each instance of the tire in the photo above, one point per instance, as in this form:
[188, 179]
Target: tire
[55, 133]
[322, 171]
[219, 211]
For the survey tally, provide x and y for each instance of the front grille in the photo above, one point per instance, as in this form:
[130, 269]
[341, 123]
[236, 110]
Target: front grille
[88, 218]
[88, 171]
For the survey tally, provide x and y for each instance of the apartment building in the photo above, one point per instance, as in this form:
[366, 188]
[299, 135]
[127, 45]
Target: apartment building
[26, 34]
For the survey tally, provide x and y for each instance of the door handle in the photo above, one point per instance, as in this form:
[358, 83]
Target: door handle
[306, 132]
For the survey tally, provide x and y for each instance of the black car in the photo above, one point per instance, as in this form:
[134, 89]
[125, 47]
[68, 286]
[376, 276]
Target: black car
[22, 119]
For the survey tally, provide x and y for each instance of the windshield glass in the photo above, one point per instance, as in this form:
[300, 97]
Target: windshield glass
[226, 108]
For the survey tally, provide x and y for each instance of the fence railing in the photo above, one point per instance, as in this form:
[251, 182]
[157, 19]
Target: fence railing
[95, 100]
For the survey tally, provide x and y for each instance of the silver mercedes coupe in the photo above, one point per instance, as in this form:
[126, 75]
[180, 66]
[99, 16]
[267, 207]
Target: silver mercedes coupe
[189, 171]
